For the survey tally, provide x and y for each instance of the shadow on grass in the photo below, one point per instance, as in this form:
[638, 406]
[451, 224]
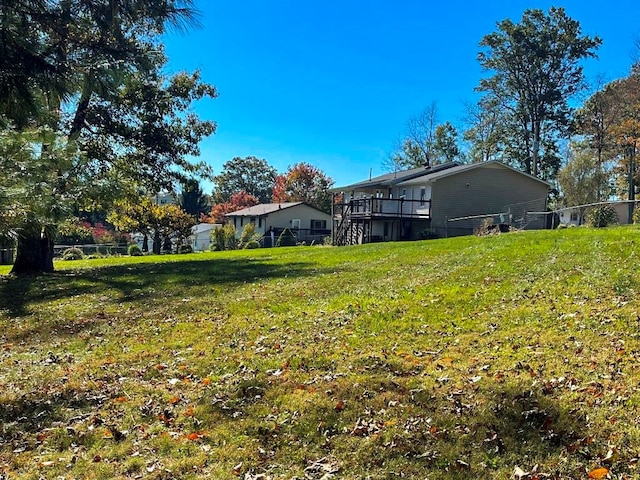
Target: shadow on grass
[20, 295]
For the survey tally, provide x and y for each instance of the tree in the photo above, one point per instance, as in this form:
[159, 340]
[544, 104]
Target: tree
[625, 129]
[416, 147]
[484, 130]
[250, 174]
[581, 180]
[170, 222]
[162, 221]
[102, 118]
[304, 182]
[536, 65]
[237, 202]
[192, 199]
[445, 143]
[134, 216]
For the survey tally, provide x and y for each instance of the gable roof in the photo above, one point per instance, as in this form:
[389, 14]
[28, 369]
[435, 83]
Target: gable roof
[427, 174]
[431, 177]
[263, 209]
[394, 178]
[203, 227]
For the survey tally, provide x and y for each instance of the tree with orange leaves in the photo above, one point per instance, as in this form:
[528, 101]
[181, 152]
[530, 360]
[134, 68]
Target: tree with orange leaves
[237, 202]
[304, 182]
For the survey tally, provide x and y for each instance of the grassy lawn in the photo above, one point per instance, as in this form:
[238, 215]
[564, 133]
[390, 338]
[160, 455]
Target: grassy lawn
[513, 356]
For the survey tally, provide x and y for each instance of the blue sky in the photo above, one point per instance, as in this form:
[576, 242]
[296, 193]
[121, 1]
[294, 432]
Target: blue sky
[333, 83]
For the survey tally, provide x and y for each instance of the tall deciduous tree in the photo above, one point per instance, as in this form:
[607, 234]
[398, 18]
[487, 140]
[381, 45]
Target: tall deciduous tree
[536, 70]
[415, 149]
[101, 114]
[484, 130]
[625, 129]
[304, 183]
[250, 174]
[581, 180]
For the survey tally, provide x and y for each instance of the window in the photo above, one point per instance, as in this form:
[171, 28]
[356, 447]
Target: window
[423, 195]
[574, 216]
[386, 229]
[318, 225]
[252, 220]
[259, 222]
[295, 224]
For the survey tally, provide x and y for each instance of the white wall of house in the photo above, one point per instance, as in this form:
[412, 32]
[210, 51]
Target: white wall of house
[201, 238]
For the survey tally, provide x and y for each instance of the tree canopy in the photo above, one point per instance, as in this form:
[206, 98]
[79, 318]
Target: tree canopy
[304, 182]
[192, 199]
[536, 70]
[85, 96]
[251, 175]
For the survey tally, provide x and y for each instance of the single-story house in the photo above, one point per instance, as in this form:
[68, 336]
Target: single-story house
[444, 200]
[577, 215]
[200, 238]
[307, 223]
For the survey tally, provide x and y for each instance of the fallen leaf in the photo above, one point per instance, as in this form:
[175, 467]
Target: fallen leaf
[599, 473]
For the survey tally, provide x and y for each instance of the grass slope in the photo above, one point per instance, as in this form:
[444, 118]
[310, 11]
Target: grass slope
[456, 358]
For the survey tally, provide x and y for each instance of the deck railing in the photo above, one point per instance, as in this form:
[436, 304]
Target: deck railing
[384, 208]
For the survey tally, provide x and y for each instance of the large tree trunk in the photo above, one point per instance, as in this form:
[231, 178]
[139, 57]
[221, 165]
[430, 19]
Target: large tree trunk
[157, 246]
[34, 254]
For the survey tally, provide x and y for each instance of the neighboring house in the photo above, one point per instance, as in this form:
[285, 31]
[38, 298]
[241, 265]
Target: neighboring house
[164, 198]
[577, 215]
[201, 236]
[402, 205]
[307, 223]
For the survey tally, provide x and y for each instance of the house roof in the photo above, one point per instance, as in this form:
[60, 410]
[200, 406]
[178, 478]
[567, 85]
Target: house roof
[432, 177]
[204, 227]
[427, 174]
[263, 209]
[394, 178]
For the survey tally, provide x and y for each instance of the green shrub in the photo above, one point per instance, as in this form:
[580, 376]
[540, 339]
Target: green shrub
[251, 245]
[185, 249]
[602, 216]
[224, 238]
[134, 250]
[636, 214]
[72, 253]
[286, 239]
[428, 234]
[248, 235]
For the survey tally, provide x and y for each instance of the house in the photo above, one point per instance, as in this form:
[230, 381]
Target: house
[577, 215]
[164, 198]
[444, 200]
[200, 238]
[307, 223]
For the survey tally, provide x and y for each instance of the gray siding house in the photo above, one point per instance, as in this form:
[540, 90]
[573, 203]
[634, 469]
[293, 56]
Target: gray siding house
[402, 205]
[307, 223]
